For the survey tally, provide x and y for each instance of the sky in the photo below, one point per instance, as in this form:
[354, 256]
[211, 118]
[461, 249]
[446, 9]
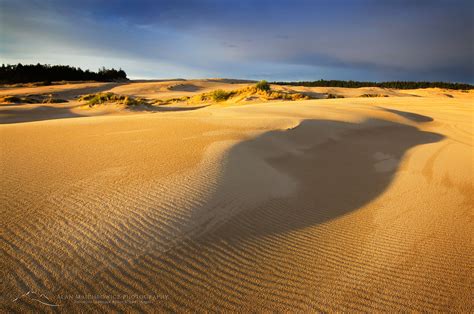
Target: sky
[276, 40]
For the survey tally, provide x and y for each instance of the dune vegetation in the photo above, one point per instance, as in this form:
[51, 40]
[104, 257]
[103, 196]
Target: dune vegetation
[31, 99]
[373, 95]
[112, 98]
[261, 91]
[258, 92]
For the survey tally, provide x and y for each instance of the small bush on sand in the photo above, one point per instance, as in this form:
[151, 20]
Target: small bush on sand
[104, 98]
[373, 95]
[101, 98]
[298, 96]
[31, 99]
[220, 95]
[263, 86]
[174, 100]
[51, 100]
[11, 99]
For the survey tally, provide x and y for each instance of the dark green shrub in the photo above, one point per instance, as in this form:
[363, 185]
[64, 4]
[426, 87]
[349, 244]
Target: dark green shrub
[220, 95]
[263, 86]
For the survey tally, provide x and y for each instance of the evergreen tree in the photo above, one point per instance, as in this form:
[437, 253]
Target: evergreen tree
[46, 73]
[395, 84]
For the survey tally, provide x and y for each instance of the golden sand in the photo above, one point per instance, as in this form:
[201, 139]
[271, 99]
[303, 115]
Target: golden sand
[354, 204]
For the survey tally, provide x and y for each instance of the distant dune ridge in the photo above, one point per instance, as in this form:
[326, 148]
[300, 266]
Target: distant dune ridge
[355, 204]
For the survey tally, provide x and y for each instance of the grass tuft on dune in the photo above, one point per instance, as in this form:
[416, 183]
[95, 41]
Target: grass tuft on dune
[31, 99]
[259, 92]
[109, 98]
[249, 93]
[374, 95]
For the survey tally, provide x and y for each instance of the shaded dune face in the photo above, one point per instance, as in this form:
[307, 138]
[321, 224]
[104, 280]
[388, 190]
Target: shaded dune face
[38, 113]
[326, 168]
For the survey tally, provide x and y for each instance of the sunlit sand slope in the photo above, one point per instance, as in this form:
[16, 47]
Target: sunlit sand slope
[330, 205]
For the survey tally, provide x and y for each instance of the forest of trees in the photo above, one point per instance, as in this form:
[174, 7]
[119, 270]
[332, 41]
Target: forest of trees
[395, 84]
[46, 73]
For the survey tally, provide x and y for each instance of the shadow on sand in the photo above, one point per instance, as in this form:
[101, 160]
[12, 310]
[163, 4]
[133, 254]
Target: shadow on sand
[41, 113]
[72, 93]
[166, 108]
[38, 113]
[415, 117]
[326, 169]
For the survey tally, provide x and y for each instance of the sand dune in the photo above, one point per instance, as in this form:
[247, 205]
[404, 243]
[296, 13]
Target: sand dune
[170, 89]
[173, 89]
[64, 90]
[360, 204]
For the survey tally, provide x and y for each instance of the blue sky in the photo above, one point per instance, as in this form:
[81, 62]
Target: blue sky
[274, 40]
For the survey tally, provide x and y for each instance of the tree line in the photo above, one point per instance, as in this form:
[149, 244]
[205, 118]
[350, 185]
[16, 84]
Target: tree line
[394, 84]
[46, 73]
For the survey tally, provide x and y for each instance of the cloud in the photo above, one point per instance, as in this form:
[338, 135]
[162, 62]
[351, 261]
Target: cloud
[412, 40]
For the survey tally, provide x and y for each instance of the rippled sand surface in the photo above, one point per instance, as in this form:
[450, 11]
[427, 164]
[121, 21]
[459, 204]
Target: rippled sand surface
[354, 204]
